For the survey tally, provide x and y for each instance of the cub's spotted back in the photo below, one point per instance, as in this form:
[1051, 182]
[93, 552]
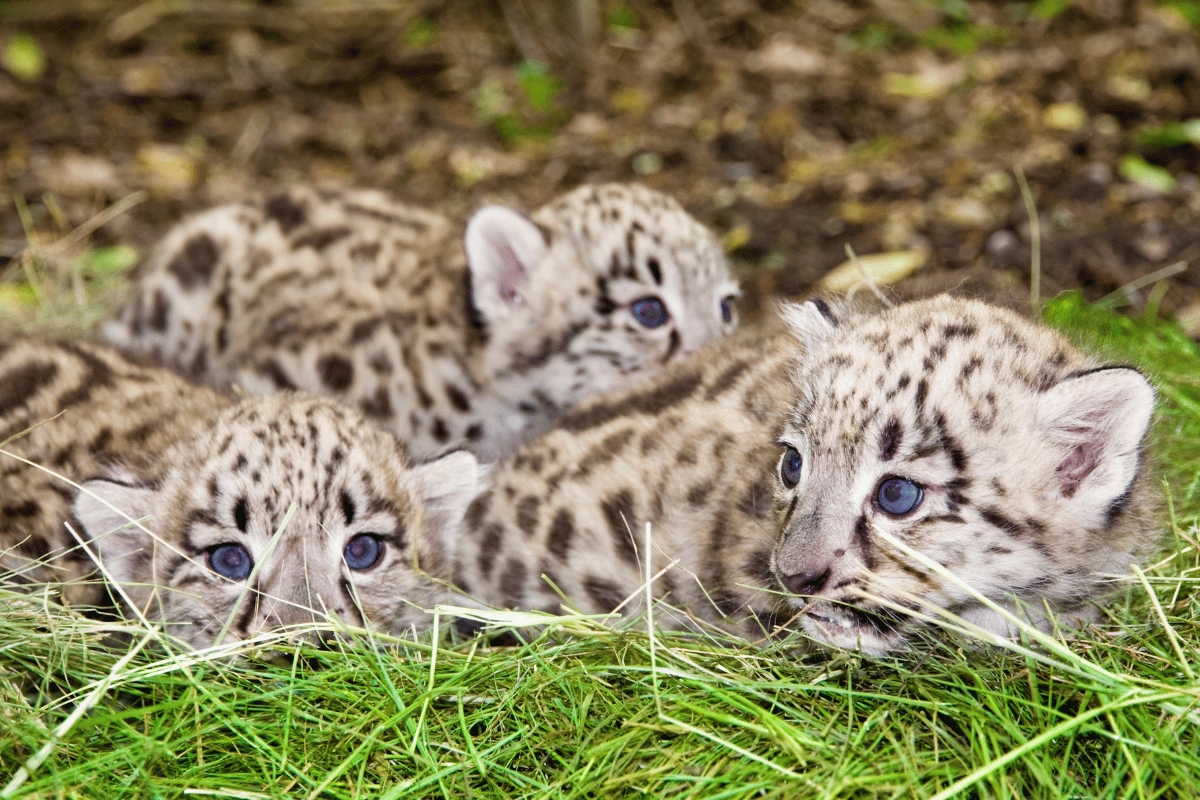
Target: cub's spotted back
[690, 454]
[450, 345]
[250, 517]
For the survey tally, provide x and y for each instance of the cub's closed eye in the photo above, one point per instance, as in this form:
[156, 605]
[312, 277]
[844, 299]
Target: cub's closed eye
[789, 467]
[230, 561]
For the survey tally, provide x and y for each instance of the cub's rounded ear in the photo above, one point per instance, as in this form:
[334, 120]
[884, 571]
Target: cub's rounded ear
[109, 509]
[814, 321]
[446, 488]
[502, 249]
[1100, 418]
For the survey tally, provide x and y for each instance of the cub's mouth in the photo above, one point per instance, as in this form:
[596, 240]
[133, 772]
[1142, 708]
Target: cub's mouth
[872, 629]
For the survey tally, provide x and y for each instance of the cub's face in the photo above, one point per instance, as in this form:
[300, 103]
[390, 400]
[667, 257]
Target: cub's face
[606, 281]
[285, 511]
[979, 440]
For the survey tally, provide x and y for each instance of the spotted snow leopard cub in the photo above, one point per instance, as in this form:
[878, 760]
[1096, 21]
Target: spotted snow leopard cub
[211, 483]
[968, 434]
[474, 344]
[980, 439]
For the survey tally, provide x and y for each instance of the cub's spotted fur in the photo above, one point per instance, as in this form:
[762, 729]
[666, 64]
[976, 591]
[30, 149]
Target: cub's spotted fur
[212, 483]
[977, 438]
[473, 345]
[691, 454]
[968, 434]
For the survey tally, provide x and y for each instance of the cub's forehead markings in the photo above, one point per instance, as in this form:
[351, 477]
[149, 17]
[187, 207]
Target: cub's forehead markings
[890, 438]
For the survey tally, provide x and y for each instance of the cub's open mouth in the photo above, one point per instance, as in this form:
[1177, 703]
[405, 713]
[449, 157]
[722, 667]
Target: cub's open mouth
[845, 623]
[832, 628]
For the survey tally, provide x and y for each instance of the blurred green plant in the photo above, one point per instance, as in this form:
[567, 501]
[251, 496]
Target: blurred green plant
[540, 87]
[23, 57]
[876, 36]
[955, 32]
[102, 263]
[1049, 9]
[531, 113]
[420, 33]
[958, 32]
[1169, 134]
[1188, 9]
[64, 291]
[622, 16]
[1136, 169]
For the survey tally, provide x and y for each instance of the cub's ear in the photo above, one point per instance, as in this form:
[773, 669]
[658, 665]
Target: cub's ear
[446, 488]
[814, 321]
[502, 249]
[107, 508]
[1100, 418]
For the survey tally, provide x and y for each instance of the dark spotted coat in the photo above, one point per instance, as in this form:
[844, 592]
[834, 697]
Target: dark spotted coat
[690, 454]
[73, 408]
[451, 343]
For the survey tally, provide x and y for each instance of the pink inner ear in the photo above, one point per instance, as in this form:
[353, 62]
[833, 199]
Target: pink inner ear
[512, 276]
[1075, 468]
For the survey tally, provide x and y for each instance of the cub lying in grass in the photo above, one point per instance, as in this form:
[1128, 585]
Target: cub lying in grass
[777, 470]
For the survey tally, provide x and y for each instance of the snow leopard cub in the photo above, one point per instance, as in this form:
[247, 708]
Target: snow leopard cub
[976, 437]
[211, 483]
[477, 344]
[973, 436]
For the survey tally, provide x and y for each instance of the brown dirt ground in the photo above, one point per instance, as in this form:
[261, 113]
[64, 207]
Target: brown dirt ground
[793, 128]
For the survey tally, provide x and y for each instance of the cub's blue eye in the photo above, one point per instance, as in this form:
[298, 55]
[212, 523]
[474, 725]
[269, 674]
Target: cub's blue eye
[363, 551]
[898, 496]
[649, 311]
[789, 467]
[727, 310]
[231, 561]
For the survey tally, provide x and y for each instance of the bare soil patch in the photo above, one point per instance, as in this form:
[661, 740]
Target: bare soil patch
[794, 129]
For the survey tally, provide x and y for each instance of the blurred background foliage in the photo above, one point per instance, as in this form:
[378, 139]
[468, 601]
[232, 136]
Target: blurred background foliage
[795, 129]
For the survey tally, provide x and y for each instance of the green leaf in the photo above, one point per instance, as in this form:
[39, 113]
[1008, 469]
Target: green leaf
[114, 260]
[24, 57]
[1049, 9]
[1136, 169]
[540, 87]
[16, 296]
[1191, 130]
[623, 16]
[420, 33]
[1171, 134]
[1188, 9]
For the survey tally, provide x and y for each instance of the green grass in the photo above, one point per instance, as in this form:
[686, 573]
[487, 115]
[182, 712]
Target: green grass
[1113, 713]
